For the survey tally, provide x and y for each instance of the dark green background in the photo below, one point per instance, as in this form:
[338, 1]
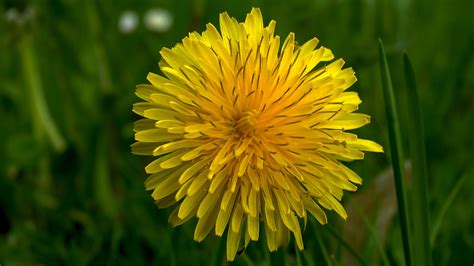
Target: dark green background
[84, 202]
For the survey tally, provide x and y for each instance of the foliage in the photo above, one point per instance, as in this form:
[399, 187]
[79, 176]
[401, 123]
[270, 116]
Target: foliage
[72, 193]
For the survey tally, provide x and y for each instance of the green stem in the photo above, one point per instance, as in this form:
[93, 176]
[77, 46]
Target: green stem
[326, 257]
[247, 260]
[103, 69]
[278, 257]
[373, 233]
[41, 118]
[345, 245]
[220, 254]
[445, 208]
[103, 184]
[299, 262]
[396, 152]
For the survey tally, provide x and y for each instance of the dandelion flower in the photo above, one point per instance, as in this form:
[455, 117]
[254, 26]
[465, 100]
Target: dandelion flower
[128, 22]
[249, 133]
[158, 20]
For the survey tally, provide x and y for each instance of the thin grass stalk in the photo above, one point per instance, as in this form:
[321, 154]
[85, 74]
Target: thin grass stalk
[373, 233]
[299, 261]
[308, 259]
[326, 257]
[444, 209]
[278, 257]
[218, 257]
[396, 153]
[247, 259]
[421, 215]
[102, 181]
[43, 123]
[97, 47]
[346, 245]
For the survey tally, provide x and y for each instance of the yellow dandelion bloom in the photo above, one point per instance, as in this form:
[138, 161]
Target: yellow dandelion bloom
[249, 132]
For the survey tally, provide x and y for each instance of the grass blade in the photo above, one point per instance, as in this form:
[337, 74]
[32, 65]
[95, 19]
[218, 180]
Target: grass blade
[373, 233]
[326, 257]
[218, 258]
[308, 259]
[247, 260]
[102, 183]
[346, 245]
[299, 261]
[445, 207]
[43, 122]
[396, 152]
[421, 216]
[278, 257]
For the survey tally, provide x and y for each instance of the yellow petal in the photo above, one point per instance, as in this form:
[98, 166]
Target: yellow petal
[197, 183]
[244, 194]
[176, 145]
[139, 108]
[270, 217]
[348, 121]
[346, 153]
[365, 145]
[172, 161]
[254, 22]
[253, 227]
[315, 210]
[167, 186]
[254, 202]
[271, 237]
[218, 180]
[155, 166]
[197, 127]
[162, 99]
[144, 91]
[190, 204]
[205, 225]
[162, 114]
[233, 241]
[155, 135]
[225, 213]
[192, 171]
[237, 216]
[207, 204]
[351, 175]
[143, 148]
[168, 123]
[153, 180]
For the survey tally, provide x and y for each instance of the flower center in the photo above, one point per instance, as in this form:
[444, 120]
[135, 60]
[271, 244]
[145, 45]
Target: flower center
[246, 124]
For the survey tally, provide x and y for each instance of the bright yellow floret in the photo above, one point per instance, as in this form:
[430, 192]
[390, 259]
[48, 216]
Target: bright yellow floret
[249, 132]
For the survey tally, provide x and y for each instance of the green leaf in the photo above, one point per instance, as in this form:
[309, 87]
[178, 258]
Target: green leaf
[396, 152]
[218, 257]
[444, 209]
[373, 234]
[278, 257]
[43, 122]
[346, 245]
[324, 250]
[103, 183]
[420, 213]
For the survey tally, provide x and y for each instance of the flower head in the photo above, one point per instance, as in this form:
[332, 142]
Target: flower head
[249, 132]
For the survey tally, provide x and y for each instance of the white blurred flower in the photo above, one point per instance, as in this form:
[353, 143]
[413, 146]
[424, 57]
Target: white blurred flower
[158, 19]
[128, 22]
[11, 15]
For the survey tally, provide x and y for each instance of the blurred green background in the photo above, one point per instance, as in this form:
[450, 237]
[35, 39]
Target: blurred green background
[71, 193]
